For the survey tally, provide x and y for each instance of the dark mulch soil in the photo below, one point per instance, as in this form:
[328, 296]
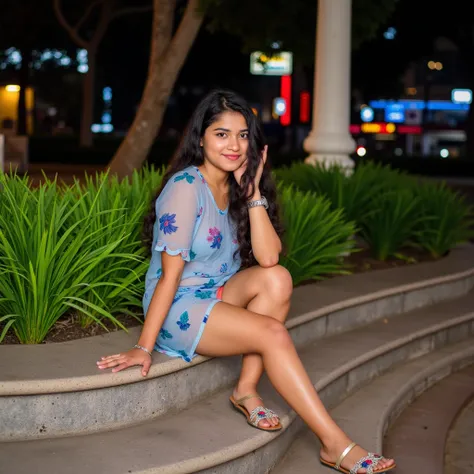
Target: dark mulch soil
[67, 328]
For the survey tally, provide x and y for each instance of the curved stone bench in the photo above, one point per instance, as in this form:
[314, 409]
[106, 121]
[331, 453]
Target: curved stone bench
[55, 389]
[367, 414]
[209, 437]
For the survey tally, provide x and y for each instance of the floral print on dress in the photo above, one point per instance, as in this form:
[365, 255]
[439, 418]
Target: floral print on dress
[200, 212]
[183, 322]
[215, 237]
[165, 334]
[204, 295]
[185, 176]
[223, 268]
[209, 284]
[202, 275]
[159, 273]
[192, 255]
[184, 355]
[235, 241]
[166, 223]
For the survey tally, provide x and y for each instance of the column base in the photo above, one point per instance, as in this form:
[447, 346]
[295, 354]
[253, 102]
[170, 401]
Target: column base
[327, 160]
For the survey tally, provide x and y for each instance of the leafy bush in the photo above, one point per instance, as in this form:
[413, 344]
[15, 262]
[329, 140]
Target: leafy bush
[315, 236]
[392, 225]
[355, 194]
[67, 249]
[447, 219]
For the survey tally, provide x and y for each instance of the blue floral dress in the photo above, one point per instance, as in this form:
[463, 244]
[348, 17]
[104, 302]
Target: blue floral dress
[189, 223]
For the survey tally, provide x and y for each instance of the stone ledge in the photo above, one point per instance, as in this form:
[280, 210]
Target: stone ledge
[46, 368]
[366, 414]
[216, 439]
[335, 357]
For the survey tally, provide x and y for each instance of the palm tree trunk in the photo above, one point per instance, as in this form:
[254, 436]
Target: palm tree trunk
[166, 60]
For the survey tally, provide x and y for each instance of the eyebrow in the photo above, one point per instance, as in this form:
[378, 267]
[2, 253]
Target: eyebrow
[227, 130]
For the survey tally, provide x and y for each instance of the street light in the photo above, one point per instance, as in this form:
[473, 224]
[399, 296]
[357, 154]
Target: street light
[12, 88]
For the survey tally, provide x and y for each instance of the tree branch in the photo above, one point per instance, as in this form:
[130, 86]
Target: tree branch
[86, 14]
[67, 26]
[130, 10]
[104, 21]
[188, 28]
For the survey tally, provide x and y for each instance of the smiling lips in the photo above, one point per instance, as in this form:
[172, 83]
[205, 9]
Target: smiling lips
[232, 157]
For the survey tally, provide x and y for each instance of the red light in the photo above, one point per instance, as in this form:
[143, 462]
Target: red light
[354, 129]
[285, 92]
[304, 107]
[413, 129]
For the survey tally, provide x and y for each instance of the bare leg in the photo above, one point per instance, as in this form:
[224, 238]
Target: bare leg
[264, 291]
[232, 330]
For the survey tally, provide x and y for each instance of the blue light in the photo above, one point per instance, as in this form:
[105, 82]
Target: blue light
[106, 118]
[395, 113]
[419, 104]
[107, 93]
[390, 33]
[367, 114]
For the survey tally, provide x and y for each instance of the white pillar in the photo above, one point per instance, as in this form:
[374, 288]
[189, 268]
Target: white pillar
[329, 141]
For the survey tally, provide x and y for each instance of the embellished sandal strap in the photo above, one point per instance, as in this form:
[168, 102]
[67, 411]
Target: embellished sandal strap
[261, 413]
[367, 462]
[344, 454]
[247, 397]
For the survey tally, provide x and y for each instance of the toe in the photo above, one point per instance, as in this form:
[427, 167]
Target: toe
[264, 424]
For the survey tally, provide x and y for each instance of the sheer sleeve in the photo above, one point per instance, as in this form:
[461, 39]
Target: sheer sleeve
[176, 215]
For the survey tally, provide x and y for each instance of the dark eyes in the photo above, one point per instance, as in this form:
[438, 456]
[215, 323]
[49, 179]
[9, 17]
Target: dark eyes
[244, 135]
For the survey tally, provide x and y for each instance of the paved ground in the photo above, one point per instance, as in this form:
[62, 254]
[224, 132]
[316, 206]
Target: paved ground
[417, 439]
[459, 447]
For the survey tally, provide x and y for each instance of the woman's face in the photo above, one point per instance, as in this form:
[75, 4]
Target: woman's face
[225, 142]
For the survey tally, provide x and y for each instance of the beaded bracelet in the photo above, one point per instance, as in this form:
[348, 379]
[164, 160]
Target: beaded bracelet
[136, 346]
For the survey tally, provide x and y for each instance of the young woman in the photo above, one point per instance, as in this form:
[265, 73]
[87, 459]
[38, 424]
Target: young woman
[216, 214]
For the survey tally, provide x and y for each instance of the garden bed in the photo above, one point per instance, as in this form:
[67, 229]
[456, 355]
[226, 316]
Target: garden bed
[67, 328]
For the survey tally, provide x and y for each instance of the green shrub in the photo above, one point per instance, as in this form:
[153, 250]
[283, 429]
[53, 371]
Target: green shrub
[356, 195]
[70, 249]
[391, 226]
[315, 236]
[447, 219]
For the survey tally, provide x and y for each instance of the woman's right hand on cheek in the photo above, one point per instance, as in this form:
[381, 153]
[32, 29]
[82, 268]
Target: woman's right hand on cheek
[126, 359]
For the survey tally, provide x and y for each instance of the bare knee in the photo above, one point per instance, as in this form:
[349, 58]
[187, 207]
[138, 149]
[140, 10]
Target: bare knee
[275, 335]
[278, 282]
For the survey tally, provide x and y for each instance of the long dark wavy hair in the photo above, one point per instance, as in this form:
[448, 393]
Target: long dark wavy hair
[190, 153]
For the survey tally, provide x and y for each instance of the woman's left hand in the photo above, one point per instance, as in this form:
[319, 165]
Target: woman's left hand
[258, 176]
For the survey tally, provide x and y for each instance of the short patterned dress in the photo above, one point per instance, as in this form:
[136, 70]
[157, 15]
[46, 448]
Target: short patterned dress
[189, 223]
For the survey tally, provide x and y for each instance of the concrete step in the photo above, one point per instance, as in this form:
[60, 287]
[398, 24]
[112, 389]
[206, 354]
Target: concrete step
[56, 389]
[366, 414]
[418, 436]
[459, 455]
[210, 437]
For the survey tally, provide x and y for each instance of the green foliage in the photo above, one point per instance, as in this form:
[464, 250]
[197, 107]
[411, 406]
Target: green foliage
[355, 194]
[316, 237]
[391, 227]
[447, 219]
[70, 249]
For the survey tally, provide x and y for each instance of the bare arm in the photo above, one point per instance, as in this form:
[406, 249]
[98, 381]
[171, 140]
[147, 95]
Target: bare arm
[176, 211]
[266, 245]
[160, 304]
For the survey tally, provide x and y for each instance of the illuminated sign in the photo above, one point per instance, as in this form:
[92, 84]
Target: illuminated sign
[395, 113]
[461, 96]
[376, 127]
[281, 64]
[304, 107]
[384, 128]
